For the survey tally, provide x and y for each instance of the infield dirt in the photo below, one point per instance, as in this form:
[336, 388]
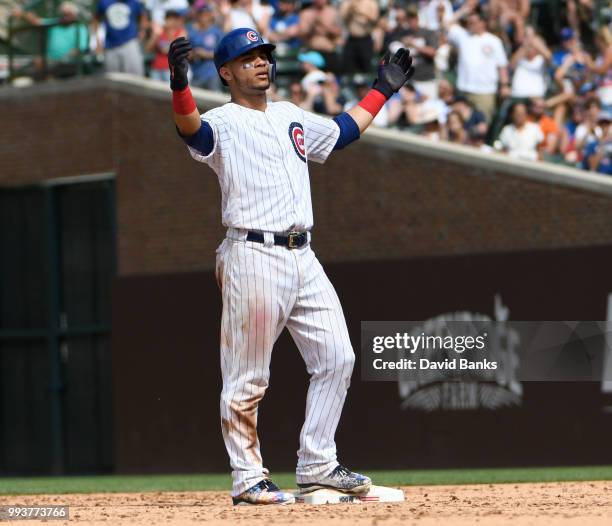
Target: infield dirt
[559, 503]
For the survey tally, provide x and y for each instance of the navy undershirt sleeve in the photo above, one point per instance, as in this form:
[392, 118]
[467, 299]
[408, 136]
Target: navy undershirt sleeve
[349, 131]
[203, 140]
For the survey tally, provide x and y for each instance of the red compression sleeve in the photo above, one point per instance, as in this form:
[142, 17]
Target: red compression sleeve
[182, 102]
[373, 102]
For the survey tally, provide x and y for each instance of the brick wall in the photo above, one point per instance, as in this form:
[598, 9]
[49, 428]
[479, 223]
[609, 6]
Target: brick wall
[54, 134]
[371, 201]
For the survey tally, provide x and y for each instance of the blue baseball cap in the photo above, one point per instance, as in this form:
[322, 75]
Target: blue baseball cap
[238, 42]
[241, 41]
[567, 33]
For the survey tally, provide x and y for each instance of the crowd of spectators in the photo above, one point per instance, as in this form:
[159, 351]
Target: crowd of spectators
[529, 78]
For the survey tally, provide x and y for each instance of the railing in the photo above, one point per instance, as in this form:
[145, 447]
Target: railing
[38, 40]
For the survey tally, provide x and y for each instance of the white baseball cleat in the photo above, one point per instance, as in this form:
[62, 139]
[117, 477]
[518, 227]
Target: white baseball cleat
[341, 479]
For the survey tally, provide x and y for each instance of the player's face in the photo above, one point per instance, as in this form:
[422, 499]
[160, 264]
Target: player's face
[249, 72]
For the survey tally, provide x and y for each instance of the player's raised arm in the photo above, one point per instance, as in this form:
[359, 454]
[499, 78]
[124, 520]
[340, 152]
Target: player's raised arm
[186, 114]
[393, 73]
[197, 135]
[323, 137]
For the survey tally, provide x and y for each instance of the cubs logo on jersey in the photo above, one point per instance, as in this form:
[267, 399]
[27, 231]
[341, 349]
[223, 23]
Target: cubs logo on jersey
[296, 134]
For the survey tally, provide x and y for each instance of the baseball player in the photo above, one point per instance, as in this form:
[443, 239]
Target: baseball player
[266, 269]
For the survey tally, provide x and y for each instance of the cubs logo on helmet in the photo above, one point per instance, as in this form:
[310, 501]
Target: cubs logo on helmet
[296, 134]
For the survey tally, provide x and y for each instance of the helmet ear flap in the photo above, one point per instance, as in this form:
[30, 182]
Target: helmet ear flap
[271, 68]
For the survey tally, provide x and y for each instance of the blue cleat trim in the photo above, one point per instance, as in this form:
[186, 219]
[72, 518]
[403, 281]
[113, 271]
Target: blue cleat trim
[264, 492]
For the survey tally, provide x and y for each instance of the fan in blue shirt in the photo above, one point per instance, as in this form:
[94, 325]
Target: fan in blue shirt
[121, 20]
[204, 36]
[598, 153]
[284, 24]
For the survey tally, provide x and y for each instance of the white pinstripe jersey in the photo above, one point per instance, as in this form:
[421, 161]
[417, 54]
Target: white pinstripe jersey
[260, 158]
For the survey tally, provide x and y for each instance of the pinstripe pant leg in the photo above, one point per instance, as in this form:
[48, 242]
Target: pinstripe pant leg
[258, 291]
[319, 329]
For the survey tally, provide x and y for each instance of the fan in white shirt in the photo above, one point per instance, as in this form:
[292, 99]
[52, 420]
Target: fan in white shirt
[246, 13]
[481, 55]
[529, 62]
[482, 61]
[521, 138]
[430, 14]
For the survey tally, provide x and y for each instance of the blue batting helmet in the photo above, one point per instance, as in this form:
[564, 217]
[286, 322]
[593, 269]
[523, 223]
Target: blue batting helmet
[241, 41]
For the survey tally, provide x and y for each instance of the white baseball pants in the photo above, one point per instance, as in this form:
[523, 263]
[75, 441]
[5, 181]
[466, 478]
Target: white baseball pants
[265, 288]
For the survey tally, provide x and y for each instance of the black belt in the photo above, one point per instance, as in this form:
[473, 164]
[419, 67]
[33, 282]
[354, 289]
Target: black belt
[291, 240]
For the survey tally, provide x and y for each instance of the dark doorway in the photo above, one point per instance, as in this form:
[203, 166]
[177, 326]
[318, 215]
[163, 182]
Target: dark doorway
[57, 262]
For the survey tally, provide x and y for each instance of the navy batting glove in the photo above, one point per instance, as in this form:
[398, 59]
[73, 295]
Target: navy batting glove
[177, 62]
[394, 72]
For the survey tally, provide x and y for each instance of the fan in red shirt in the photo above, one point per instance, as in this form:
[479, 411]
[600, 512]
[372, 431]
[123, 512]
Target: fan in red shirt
[159, 43]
